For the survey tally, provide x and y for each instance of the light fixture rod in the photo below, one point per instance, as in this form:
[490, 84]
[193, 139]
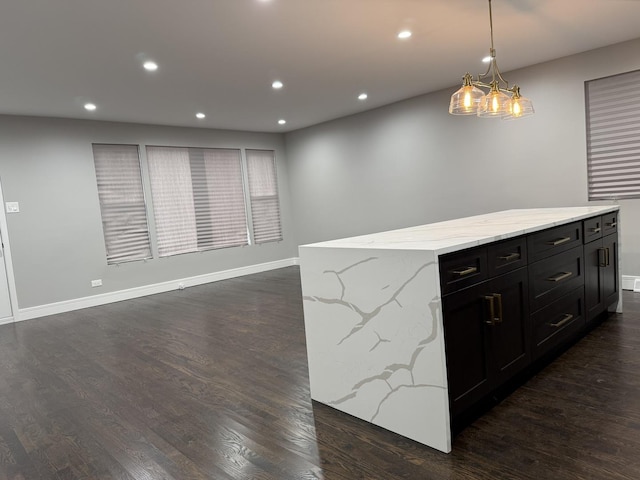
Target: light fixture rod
[493, 63]
[491, 28]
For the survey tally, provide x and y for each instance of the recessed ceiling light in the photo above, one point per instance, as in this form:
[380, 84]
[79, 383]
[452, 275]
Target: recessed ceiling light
[404, 34]
[277, 84]
[200, 115]
[486, 59]
[363, 96]
[282, 121]
[90, 106]
[150, 66]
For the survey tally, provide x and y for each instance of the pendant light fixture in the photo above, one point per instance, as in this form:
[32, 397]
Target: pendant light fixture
[501, 101]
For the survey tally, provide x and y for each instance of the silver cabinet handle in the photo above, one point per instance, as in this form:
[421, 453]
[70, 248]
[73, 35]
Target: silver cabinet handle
[560, 276]
[559, 241]
[567, 318]
[491, 305]
[465, 271]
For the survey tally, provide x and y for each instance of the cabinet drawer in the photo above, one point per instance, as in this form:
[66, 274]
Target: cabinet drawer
[554, 240]
[555, 276]
[463, 269]
[507, 256]
[610, 223]
[592, 229]
[558, 322]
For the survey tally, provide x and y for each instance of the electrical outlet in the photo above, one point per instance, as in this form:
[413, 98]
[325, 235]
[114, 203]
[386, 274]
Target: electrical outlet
[12, 207]
[96, 283]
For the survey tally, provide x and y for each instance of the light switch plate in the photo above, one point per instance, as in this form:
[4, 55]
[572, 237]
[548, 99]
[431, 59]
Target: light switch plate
[13, 207]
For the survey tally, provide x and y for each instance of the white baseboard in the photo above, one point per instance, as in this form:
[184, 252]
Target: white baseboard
[630, 281]
[4, 321]
[111, 297]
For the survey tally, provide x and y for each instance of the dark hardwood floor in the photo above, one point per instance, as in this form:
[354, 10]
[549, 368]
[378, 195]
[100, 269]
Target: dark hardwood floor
[211, 382]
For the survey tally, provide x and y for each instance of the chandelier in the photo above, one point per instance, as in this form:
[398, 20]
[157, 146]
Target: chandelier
[501, 101]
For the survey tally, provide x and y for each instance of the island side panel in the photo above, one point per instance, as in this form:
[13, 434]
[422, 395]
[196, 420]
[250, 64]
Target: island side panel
[373, 323]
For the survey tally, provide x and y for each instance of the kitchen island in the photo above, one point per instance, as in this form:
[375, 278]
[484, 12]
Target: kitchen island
[380, 347]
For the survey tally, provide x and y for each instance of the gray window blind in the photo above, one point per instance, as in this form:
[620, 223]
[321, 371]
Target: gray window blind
[198, 198]
[613, 136]
[122, 205]
[263, 193]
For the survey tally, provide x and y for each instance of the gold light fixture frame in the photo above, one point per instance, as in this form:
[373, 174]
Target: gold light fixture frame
[470, 100]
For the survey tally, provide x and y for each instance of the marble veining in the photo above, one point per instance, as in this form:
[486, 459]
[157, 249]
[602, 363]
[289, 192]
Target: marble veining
[390, 370]
[365, 316]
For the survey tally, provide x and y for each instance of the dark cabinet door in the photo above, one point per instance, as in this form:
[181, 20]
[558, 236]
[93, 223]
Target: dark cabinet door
[486, 337]
[466, 344]
[509, 342]
[594, 258]
[601, 275]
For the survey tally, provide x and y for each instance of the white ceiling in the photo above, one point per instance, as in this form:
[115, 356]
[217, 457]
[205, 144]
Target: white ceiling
[221, 56]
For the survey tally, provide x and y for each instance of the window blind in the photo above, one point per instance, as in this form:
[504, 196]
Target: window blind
[172, 196]
[198, 198]
[122, 205]
[613, 136]
[263, 194]
[225, 222]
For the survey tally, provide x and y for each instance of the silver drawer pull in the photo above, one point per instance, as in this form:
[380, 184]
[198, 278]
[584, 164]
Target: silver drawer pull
[566, 319]
[466, 271]
[560, 276]
[612, 224]
[595, 230]
[510, 256]
[493, 318]
[559, 241]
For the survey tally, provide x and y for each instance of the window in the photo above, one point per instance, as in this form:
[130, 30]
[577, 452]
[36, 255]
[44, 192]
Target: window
[124, 217]
[613, 137]
[263, 194]
[198, 198]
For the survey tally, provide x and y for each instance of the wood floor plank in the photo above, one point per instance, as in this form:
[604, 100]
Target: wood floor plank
[211, 382]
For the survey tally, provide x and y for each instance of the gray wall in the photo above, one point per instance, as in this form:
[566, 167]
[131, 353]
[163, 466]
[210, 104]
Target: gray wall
[56, 239]
[412, 163]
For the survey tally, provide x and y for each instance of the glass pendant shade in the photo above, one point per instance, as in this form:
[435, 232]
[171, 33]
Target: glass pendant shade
[466, 100]
[519, 107]
[494, 104]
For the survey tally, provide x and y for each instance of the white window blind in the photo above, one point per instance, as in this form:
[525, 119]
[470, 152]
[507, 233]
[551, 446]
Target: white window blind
[263, 193]
[198, 198]
[613, 136]
[172, 196]
[124, 215]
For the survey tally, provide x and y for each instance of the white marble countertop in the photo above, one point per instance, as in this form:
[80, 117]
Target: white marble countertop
[461, 233]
